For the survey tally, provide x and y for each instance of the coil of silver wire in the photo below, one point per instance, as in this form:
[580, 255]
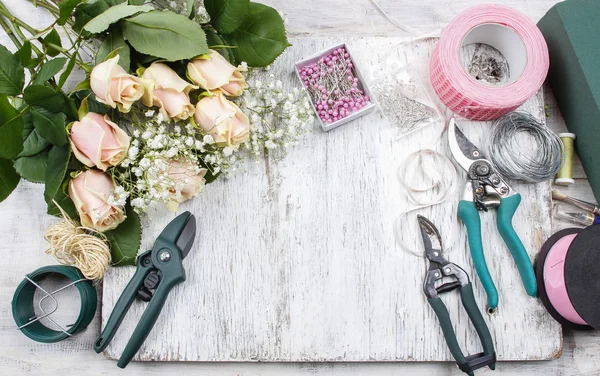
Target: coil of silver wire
[518, 159]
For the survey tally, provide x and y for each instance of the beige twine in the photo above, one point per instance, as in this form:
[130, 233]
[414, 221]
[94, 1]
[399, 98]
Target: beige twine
[83, 247]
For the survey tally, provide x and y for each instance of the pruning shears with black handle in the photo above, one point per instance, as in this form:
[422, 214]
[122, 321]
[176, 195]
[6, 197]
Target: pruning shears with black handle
[158, 271]
[487, 189]
[440, 268]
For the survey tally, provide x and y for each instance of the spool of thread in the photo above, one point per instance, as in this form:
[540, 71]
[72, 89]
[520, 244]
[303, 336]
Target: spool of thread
[565, 175]
[563, 269]
[508, 31]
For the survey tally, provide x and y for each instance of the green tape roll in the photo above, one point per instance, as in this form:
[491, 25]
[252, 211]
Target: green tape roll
[565, 175]
[23, 310]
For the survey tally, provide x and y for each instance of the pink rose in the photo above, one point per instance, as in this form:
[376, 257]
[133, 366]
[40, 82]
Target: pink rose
[213, 72]
[188, 181]
[114, 87]
[97, 141]
[223, 120]
[89, 192]
[171, 92]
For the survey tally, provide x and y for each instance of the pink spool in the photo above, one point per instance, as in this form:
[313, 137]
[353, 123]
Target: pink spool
[511, 33]
[554, 280]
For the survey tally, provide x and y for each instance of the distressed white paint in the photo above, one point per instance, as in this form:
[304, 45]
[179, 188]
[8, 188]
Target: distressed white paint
[22, 245]
[301, 263]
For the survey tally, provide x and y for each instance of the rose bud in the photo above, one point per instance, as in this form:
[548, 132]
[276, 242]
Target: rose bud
[223, 120]
[113, 86]
[171, 92]
[212, 72]
[188, 181]
[90, 191]
[97, 141]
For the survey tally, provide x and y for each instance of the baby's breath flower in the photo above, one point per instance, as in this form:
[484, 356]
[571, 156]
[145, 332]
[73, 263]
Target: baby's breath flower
[277, 118]
[144, 176]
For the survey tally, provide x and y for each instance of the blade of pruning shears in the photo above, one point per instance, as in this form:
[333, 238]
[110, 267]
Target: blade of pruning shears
[463, 150]
[432, 239]
[181, 231]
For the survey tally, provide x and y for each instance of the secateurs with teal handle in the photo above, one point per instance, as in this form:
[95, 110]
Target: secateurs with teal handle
[440, 268]
[158, 271]
[487, 189]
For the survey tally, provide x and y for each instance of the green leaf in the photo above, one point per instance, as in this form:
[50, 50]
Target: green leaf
[58, 160]
[226, 15]
[166, 35]
[137, 2]
[70, 108]
[189, 7]
[66, 8]
[50, 126]
[261, 38]
[11, 128]
[214, 39]
[85, 12]
[49, 70]
[24, 54]
[113, 14]
[113, 41]
[67, 72]
[112, 3]
[12, 74]
[92, 103]
[65, 202]
[53, 38]
[9, 179]
[45, 97]
[125, 240]
[32, 168]
[33, 143]
[82, 86]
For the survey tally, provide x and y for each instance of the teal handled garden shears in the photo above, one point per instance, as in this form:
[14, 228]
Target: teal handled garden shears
[440, 268]
[487, 189]
[158, 271]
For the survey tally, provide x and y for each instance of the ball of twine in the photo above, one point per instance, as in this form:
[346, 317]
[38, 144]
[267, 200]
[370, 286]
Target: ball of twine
[82, 247]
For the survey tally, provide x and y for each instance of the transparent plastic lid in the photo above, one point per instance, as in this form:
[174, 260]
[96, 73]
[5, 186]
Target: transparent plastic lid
[403, 100]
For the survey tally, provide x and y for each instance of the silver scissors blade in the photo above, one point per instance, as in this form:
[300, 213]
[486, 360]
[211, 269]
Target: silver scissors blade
[463, 150]
[432, 239]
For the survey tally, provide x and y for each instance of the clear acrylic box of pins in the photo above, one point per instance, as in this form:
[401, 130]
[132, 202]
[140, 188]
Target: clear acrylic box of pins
[403, 100]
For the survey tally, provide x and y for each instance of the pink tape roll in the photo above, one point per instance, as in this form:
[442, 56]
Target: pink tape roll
[510, 32]
[554, 280]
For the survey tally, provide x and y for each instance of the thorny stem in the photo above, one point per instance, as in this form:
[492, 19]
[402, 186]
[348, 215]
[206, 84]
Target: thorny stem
[51, 7]
[10, 33]
[17, 22]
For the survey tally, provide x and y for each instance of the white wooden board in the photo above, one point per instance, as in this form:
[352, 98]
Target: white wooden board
[296, 259]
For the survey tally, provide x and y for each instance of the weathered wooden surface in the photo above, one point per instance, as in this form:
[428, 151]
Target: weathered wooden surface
[22, 245]
[302, 263]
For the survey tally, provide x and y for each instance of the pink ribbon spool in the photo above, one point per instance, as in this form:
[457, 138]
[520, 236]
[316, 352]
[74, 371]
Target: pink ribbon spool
[511, 33]
[554, 280]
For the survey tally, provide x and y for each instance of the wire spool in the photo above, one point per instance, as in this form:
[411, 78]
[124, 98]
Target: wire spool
[565, 175]
[517, 160]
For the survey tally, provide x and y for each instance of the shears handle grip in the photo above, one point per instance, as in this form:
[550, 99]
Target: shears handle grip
[148, 319]
[123, 304]
[506, 211]
[468, 213]
[473, 362]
